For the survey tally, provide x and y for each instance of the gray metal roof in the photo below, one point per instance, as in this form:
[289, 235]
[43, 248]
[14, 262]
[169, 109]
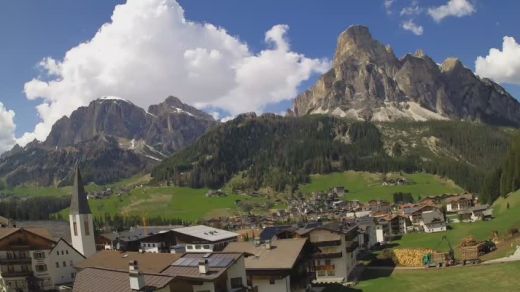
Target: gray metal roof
[79, 202]
[433, 216]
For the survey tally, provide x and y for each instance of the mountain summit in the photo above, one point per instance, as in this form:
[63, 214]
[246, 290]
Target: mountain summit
[368, 82]
[113, 138]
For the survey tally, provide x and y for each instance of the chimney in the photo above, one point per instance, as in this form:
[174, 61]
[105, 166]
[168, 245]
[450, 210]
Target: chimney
[268, 244]
[136, 278]
[203, 266]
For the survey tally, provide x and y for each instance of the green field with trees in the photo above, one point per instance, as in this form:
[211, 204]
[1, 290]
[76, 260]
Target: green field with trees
[365, 186]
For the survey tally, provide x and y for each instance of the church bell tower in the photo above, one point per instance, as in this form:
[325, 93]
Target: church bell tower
[80, 219]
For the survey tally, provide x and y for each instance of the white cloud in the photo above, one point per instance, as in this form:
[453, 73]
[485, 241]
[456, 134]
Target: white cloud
[149, 50]
[501, 65]
[410, 25]
[413, 9]
[457, 8]
[7, 128]
[388, 6]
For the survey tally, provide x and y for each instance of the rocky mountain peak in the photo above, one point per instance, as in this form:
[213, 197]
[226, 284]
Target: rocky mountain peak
[420, 53]
[356, 44]
[114, 137]
[367, 82]
[173, 105]
[451, 64]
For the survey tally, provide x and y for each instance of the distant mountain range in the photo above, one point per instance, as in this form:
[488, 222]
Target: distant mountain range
[116, 139]
[112, 137]
[368, 82]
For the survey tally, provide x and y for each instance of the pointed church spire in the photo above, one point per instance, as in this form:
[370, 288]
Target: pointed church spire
[78, 202]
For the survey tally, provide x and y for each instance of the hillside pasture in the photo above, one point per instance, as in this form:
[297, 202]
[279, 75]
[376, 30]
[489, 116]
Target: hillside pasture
[365, 186]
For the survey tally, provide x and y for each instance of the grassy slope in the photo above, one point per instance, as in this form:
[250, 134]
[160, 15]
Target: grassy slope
[366, 186]
[504, 220]
[167, 202]
[32, 191]
[500, 277]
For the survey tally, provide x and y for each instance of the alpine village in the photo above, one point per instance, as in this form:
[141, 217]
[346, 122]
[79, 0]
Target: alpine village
[386, 174]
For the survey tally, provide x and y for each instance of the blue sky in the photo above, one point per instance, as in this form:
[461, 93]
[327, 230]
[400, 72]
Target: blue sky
[33, 30]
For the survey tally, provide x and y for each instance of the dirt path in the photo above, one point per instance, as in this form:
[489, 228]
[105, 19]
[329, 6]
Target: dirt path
[512, 258]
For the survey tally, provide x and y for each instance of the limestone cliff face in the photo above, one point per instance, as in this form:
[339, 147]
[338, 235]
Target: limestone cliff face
[368, 82]
[112, 137]
[167, 127]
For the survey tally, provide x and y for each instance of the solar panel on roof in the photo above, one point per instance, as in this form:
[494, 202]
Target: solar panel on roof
[187, 262]
[219, 262]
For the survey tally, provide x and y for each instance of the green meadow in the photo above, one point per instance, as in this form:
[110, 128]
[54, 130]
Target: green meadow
[365, 186]
[498, 277]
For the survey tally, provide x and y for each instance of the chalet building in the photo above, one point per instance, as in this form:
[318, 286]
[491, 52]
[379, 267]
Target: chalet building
[165, 239]
[433, 221]
[336, 246]
[201, 238]
[477, 213]
[376, 230]
[30, 260]
[459, 203]
[153, 239]
[414, 215]
[23, 254]
[276, 266]
[132, 271]
[370, 232]
[62, 261]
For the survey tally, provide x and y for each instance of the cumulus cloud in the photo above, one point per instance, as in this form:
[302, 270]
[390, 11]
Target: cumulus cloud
[413, 9]
[501, 65]
[388, 6]
[7, 128]
[456, 8]
[410, 25]
[149, 50]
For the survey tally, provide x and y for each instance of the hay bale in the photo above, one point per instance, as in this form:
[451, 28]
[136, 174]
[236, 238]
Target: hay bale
[409, 257]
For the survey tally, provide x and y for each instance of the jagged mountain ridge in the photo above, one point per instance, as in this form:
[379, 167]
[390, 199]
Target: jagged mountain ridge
[113, 138]
[167, 127]
[368, 82]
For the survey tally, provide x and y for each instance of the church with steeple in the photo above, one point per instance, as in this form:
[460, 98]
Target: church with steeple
[80, 219]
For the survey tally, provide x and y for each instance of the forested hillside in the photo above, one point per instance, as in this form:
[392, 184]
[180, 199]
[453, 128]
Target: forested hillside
[281, 152]
[506, 177]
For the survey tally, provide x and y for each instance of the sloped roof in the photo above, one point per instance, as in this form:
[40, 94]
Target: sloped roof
[118, 261]
[42, 232]
[206, 232]
[57, 229]
[78, 201]
[95, 280]
[187, 267]
[456, 198]
[271, 231]
[282, 254]
[430, 217]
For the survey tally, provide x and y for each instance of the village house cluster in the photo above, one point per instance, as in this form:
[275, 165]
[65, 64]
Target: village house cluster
[265, 256]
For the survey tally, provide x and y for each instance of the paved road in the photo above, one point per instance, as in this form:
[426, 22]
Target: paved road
[512, 258]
